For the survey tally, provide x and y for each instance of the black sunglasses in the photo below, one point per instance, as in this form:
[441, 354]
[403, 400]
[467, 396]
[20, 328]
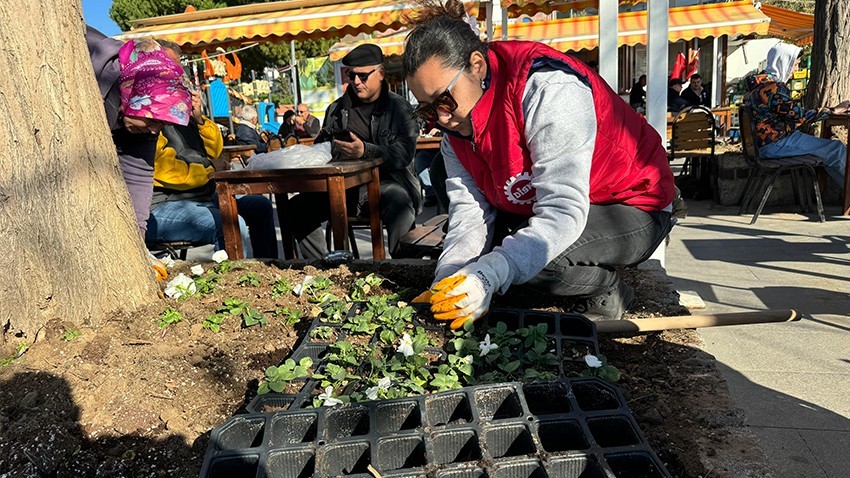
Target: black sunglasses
[444, 102]
[363, 76]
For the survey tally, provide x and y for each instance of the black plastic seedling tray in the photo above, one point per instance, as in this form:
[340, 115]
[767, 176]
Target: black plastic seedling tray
[572, 336]
[561, 429]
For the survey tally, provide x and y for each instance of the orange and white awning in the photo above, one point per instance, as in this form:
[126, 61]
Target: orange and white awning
[575, 34]
[791, 25]
[516, 8]
[276, 21]
[685, 23]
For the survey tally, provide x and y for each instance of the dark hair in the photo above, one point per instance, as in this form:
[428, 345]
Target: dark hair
[674, 82]
[286, 128]
[696, 76]
[440, 31]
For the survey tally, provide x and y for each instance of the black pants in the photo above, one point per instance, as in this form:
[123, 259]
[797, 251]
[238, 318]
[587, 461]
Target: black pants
[307, 211]
[615, 235]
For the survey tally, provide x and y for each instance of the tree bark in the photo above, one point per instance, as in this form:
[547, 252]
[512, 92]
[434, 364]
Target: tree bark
[69, 244]
[830, 74]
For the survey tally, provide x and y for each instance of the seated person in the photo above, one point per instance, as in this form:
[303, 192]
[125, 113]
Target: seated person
[286, 133]
[696, 94]
[777, 117]
[306, 125]
[367, 107]
[675, 103]
[637, 96]
[246, 130]
[185, 206]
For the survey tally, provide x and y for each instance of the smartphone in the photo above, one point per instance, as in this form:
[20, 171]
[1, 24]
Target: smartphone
[343, 135]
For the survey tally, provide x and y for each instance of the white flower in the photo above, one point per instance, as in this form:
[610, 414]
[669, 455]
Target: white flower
[383, 384]
[168, 261]
[197, 270]
[219, 256]
[328, 399]
[299, 288]
[592, 361]
[406, 345]
[484, 347]
[179, 286]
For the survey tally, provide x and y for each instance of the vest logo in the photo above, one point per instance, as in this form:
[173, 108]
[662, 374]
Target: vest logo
[519, 190]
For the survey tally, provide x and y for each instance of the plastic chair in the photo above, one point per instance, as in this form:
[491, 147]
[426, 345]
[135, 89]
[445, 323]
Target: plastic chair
[764, 172]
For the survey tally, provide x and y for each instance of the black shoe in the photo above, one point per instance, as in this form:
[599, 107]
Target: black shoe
[609, 305]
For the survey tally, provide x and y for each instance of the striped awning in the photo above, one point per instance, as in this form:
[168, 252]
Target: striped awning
[516, 8]
[685, 23]
[575, 34]
[791, 25]
[276, 21]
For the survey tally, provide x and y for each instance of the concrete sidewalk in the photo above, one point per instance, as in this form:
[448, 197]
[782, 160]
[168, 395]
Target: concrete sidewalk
[792, 380]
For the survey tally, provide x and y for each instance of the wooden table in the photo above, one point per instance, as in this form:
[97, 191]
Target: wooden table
[334, 178]
[425, 142]
[237, 152]
[826, 132]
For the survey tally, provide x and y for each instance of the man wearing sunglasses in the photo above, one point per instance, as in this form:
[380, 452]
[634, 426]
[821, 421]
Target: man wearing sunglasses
[306, 125]
[368, 121]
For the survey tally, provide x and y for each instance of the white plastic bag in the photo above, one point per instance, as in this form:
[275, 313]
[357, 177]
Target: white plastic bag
[295, 156]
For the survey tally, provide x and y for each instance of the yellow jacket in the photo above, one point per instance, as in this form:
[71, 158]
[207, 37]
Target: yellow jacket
[176, 172]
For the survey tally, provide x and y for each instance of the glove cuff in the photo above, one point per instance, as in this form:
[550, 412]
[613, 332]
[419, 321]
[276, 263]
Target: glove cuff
[500, 267]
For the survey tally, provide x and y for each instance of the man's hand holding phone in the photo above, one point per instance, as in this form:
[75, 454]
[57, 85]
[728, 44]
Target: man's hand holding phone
[348, 145]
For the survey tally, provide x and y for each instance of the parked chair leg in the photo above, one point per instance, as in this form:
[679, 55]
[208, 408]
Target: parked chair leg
[817, 195]
[353, 241]
[767, 192]
[747, 192]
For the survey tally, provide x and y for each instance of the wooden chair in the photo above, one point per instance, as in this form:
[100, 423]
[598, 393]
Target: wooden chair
[764, 172]
[692, 137]
[425, 241]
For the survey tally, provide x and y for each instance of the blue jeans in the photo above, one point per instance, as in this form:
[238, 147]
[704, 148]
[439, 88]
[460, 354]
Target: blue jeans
[199, 222]
[832, 152]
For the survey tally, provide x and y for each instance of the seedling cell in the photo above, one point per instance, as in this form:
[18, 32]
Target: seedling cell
[292, 429]
[612, 431]
[498, 403]
[242, 433]
[455, 446]
[509, 440]
[561, 435]
[397, 416]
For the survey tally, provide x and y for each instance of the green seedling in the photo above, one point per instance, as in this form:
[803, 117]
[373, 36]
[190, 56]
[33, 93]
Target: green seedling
[361, 287]
[361, 324]
[249, 279]
[233, 306]
[71, 333]
[277, 377]
[213, 322]
[207, 284]
[598, 366]
[290, 315]
[322, 333]
[281, 288]
[251, 317]
[223, 267]
[169, 317]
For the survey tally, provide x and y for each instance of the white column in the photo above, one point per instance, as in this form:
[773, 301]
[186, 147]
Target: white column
[338, 77]
[296, 90]
[504, 22]
[608, 30]
[656, 80]
[488, 8]
[656, 71]
[716, 72]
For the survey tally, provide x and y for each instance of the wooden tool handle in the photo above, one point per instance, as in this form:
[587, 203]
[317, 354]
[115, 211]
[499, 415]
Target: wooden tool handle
[696, 321]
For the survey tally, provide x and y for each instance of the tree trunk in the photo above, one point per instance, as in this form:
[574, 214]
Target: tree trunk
[830, 73]
[69, 244]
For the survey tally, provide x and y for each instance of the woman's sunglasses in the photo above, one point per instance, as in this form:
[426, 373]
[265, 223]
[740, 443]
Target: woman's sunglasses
[445, 102]
[363, 75]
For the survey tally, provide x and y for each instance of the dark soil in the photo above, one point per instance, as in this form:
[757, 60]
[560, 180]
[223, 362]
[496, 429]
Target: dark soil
[126, 399]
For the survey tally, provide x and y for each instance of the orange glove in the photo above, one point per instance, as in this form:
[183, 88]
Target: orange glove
[465, 296]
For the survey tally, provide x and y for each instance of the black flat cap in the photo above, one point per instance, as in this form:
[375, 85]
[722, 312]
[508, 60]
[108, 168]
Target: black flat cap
[364, 55]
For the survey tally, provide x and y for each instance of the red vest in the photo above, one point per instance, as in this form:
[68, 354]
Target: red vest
[629, 163]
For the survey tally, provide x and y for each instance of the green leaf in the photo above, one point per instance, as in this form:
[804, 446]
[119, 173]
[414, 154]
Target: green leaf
[609, 373]
[264, 389]
[511, 367]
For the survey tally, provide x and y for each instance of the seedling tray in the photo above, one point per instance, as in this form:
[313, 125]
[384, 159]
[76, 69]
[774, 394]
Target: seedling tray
[572, 336]
[563, 428]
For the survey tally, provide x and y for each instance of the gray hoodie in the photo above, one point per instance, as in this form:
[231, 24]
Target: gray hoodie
[781, 59]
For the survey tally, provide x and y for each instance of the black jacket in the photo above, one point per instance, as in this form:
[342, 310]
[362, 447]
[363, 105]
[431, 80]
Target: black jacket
[694, 99]
[396, 131]
[247, 135]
